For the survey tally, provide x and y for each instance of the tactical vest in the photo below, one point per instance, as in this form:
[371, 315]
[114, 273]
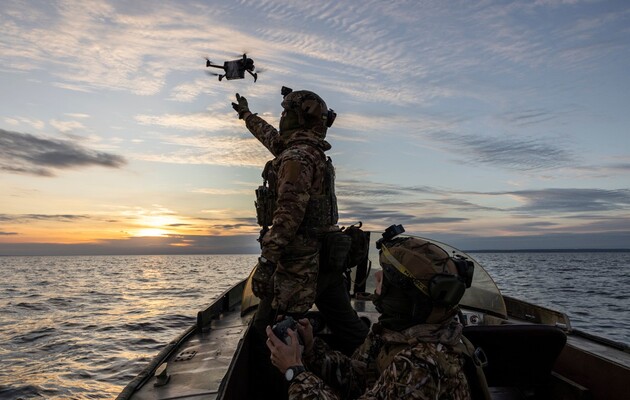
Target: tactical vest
[321, 209]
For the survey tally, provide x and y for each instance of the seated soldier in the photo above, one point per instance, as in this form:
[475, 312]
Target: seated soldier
[415, 349]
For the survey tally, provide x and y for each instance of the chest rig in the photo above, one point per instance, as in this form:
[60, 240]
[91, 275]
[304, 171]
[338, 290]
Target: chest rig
[321, 209]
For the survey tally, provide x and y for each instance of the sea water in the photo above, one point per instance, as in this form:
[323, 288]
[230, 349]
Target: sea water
[83, 327]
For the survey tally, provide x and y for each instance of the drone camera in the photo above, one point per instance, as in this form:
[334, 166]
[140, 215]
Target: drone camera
[285, 91]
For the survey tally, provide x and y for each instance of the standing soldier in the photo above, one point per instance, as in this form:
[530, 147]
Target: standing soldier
[298, 202]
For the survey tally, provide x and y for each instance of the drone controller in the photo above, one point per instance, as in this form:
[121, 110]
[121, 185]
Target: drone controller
[281, 329]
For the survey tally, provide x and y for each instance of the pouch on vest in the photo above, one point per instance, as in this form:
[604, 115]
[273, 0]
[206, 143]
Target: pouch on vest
[334, 252]
[359, 247]
[265, 205]
[266, 197]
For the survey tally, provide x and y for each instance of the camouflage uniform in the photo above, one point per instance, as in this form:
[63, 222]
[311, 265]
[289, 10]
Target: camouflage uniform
[299, 167]
[417, 363]
[300, 170]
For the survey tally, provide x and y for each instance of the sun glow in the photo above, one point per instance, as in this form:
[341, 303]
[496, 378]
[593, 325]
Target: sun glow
[157, 225]
[151, 232]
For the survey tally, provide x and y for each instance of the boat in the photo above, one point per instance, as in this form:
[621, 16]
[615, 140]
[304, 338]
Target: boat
[532, 352]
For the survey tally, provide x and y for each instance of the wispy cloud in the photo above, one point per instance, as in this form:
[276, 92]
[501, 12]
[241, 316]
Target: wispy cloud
[529, 117]
[223, 192]
[28, 154]
[187, 92]
[66, 126]
[226, 151]
[508, 152]
[175, 244]
[366, 201]
[204, 121]
[29, 122]
[372, 45]
[572, 200]
[41, 217]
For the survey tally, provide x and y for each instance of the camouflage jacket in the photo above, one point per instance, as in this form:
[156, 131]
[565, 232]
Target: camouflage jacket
[300, 166]
[417, 363]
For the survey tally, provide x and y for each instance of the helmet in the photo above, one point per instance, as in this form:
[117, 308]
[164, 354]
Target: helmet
[304, 109]
[431, 280]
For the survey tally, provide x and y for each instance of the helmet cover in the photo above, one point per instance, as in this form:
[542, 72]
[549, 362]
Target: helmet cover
[304, 109]
[426, 272]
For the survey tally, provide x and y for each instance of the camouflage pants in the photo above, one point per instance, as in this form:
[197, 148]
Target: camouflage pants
[295, 279]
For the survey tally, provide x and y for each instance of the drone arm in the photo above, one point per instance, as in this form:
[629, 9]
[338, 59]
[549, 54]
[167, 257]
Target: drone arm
[209, 64]
[253, 74]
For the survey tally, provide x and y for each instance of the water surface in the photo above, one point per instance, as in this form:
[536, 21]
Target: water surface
[83, 327]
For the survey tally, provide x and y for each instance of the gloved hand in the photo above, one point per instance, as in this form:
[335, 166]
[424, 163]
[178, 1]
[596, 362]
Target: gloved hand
[241, 106]
[262, 281]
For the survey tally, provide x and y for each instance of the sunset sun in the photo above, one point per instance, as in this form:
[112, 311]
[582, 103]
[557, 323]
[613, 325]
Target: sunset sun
[156, 226]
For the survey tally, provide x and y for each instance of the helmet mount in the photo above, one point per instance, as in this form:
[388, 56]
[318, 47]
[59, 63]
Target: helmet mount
[312, 111]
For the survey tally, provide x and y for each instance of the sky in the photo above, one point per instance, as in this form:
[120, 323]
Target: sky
[486, 124]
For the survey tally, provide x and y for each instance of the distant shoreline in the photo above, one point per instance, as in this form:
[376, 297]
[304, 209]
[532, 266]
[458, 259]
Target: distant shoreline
[551, 251]
[246, 253]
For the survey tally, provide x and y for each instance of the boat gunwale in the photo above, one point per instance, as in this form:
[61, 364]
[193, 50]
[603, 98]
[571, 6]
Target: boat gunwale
[218, 306]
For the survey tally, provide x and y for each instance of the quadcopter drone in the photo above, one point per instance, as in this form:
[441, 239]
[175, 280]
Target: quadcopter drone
[235, 69]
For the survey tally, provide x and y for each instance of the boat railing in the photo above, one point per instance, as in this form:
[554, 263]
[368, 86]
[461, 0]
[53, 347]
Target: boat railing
[225, 302]
[536, 314]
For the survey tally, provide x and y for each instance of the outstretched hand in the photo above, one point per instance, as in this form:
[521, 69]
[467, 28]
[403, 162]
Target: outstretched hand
[284, 355]
[241, 106]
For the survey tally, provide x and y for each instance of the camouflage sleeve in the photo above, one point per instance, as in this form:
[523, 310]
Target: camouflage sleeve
[339, 372]
[416, 373]
[407, 377]
[295, 177]
[308, 386]
[264, 132]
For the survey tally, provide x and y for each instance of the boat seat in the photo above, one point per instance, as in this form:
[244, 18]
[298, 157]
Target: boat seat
[520, 357]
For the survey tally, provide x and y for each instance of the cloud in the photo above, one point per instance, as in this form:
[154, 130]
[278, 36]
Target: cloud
[29, 122]
[529, 117]
[226, 151]
[371, 124]
[223, 192]
[177, 244]
[205, 121]
[66, 126]
[542, 241]
[365, 189]
[426, 207]
[380, 51]
[572, 200]
[508, 152]
[187, 92]
[78, 115]
[24, 153]
[114, 46]
[41, 217]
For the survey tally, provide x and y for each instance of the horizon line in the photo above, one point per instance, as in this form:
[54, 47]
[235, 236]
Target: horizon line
[532, 250]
